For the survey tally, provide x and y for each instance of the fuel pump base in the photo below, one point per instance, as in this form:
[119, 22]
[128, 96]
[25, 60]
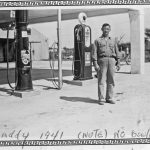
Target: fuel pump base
[24, 94]
[75, 78]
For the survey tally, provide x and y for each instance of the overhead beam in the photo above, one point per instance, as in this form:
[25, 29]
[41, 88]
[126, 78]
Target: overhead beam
[50, 15]
[70, 15]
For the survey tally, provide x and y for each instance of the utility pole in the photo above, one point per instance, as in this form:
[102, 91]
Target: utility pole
[59, 49]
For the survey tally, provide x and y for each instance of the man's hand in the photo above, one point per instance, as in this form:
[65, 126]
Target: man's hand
[118, 65]
[97, 68]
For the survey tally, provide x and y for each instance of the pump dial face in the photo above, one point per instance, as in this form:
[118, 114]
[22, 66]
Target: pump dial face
[87, 37]
[25, 56]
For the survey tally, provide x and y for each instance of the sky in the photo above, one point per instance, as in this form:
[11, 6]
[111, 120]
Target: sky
[120, 25]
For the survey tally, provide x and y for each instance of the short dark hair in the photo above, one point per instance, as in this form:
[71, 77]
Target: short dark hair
[105, 24]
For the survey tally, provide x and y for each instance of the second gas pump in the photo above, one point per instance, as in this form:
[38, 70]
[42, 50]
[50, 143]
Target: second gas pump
[82, 50]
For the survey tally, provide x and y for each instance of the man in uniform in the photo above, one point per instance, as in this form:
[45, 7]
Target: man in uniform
[105, 58]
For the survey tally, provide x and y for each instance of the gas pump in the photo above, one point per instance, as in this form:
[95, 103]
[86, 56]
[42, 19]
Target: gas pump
[23, 62]
[82, 50]
[23, 80]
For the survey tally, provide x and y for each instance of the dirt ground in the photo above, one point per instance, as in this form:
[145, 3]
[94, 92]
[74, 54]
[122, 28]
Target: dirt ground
[73, 112]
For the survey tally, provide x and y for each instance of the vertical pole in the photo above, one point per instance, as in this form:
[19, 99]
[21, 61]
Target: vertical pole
[59, 49]
[137, 41]
[30, 53]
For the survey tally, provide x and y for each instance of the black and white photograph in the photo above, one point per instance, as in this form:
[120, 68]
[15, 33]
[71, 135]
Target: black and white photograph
[74, 75]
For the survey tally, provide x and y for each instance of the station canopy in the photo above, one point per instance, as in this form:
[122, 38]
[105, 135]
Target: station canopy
[50, 15]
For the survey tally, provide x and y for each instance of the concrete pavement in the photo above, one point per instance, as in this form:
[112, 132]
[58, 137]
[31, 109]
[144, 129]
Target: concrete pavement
[74, 111]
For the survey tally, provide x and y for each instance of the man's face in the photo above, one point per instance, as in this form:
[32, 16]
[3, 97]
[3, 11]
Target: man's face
[106, 30]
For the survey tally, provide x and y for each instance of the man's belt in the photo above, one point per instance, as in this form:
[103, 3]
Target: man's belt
[111, 56]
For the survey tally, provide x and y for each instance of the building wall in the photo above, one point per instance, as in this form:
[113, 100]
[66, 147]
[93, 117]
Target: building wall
[39, 45]
[39, 48]
[3, 35]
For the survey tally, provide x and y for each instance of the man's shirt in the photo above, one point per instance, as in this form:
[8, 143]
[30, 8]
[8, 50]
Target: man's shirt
[105, 47]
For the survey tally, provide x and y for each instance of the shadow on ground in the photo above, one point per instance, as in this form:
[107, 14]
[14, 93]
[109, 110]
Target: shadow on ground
[79, 99]
[7, 91]
[46, 87]
[37, 74]
[123, 72]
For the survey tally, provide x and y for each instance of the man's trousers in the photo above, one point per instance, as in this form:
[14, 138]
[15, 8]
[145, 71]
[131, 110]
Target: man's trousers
[106, 75]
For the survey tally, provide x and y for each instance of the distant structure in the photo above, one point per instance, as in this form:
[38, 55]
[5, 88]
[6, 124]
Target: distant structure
[147, 49]
[38, 44]
[3, 42]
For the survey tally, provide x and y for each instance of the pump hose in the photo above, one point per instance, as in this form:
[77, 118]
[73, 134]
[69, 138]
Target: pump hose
[52, 66]
[7, 47]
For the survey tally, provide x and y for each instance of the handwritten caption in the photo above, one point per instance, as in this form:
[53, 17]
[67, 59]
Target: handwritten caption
[117, 134]
[25, 135]
[60, 135]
